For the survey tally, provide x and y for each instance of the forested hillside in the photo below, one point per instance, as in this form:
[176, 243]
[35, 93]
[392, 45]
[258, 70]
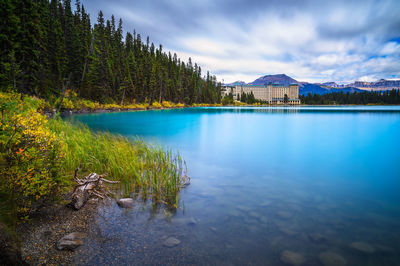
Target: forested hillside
[363, 97]
[48, 47]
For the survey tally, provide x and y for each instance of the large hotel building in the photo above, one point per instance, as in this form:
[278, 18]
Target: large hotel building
[272, 93]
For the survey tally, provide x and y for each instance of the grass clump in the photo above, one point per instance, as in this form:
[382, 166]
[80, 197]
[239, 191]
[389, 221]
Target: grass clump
[156, 173]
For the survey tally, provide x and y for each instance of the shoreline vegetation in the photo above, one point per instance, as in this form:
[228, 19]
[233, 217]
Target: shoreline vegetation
[72, 104]
[76, 145]
[38, 158]
[39, 155]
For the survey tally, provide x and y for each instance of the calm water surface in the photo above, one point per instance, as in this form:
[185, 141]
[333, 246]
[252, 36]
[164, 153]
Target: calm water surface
[309, 180]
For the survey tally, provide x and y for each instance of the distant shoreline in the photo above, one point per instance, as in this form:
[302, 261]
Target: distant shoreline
[103, 110]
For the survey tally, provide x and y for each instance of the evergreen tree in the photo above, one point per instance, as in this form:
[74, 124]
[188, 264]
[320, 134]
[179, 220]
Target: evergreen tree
[285, 98]
[46, 45]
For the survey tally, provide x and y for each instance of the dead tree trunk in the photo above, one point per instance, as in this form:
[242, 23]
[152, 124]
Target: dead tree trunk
[91, 185]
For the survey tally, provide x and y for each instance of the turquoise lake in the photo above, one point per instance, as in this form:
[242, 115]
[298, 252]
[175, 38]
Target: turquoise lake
[323, 182]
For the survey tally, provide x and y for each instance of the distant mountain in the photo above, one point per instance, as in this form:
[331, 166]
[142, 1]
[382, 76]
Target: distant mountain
[279, 78]
[345, 90]
[239, 82]
[381, 84]
[322, 88]
[306, 88]
[332, 84]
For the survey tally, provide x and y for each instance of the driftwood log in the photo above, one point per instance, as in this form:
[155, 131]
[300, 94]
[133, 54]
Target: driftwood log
[91, 185]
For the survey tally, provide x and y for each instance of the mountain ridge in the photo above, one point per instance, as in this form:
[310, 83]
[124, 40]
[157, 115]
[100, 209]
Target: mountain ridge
[322, 88]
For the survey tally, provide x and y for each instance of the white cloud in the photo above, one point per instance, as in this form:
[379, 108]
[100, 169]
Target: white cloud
[311, 41]
[390, 48]
[367, 78]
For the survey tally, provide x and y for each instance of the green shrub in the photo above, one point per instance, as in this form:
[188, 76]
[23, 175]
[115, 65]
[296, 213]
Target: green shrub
[38, 157]
[30, 153]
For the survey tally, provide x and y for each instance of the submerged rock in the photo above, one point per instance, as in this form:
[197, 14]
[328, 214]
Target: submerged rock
[264, 219]
[363, 247]
[171, 242]
[235, 213]
[284, 214]
[254, 214]
[317, 238]
[385, 249]
[192, 221]
[168, 214]
[243, 208]
[285, 227]
[331, 259]
[265, 203]
[292, 258]
[125, 203]
[187, 221]
[71, 241]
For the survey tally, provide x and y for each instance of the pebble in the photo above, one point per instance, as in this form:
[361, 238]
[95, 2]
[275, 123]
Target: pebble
[125, 203]
[171, 242]
[331, 259]
[213, 229]
[292, 258]
[71, 241]
[363, 247]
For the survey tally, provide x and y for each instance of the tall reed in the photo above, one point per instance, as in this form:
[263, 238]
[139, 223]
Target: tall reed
[157, 174]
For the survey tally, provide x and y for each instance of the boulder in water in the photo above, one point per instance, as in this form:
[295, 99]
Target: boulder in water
[171, 242]
[192, 221]
[331, 259]
[284, 214]
[292, 258]
[317, 238]
[363, 247]
[125, 202]
[71, 241]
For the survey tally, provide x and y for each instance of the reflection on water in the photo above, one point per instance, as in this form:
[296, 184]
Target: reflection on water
[316, 188]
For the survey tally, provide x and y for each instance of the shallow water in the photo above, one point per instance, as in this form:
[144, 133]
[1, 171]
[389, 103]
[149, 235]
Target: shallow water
[264, 180]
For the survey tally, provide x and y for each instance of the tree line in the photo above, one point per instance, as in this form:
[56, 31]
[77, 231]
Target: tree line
[47, 47]
[364, 97]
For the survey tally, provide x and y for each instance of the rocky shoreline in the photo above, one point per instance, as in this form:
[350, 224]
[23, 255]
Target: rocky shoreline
[40, 236]
[52, 113]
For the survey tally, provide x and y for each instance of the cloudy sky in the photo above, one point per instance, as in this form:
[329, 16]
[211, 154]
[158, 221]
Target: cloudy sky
[310, 40]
